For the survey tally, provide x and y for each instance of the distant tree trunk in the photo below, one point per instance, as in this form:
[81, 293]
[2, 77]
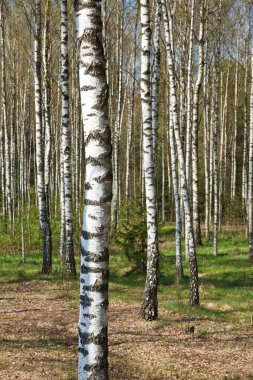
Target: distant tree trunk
[42, 199]
[234, 143]
[211, 157]
[179, 265]
[245, 143]
[131, 114]
[7, 166]
[149, 305]
[222, 169]
[195, 127]
[93, 341]
[215, 171]
[250, 179]
[46, 100]
[116, 150]
[188, 115]
[194, 289]
[66, 143]
[207, 146]
[216, 75]
[155, 76]
[163, 179]
[3, 122]
[22, 173]
[189, 97]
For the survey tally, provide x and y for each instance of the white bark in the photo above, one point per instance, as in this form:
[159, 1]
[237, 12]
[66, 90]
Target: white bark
[163, 179]
[245, 142]
[207, 146]
[46, 99]
[44, 220]
[223, 145]
[155, 76]
[179, 266]
[234, 144]
[188, 138]
[66, 143]
[116, 140]
[215, 149]
[93, 346]
[194, 291]
[195, 127]
[250, 179]
[149, 305]
[7, 166]
[189, 98]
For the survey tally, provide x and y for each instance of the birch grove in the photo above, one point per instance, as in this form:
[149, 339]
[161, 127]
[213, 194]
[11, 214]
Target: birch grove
[130, 124]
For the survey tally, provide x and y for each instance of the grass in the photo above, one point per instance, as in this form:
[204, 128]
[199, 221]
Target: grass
[226, 281]
[48, 327]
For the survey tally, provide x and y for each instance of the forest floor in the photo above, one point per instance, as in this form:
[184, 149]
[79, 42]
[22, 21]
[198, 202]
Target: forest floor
[39, 315]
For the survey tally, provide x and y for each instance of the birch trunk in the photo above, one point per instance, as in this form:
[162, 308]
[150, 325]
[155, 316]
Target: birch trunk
[93, 342]
[215, 152]
[7, 166]
[223, 144]
[155, 76]
[188, 116]
[211, 159]
[131, 115]
[179, 265]
[189, 98]
[194, 289]
[195, 127]
[207, 147]
[66, 143]
[163, 179]
[234, 146]
[42, 200]
[46, 100]
[250, 179]
[150, 302]
[245, 143]
[116, 150]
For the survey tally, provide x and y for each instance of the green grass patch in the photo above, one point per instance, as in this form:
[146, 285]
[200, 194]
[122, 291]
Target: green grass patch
[226, 281]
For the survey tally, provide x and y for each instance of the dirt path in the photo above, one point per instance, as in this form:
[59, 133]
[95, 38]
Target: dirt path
[38, 341]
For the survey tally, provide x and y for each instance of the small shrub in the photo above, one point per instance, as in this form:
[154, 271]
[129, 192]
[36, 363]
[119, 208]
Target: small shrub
[131, 236]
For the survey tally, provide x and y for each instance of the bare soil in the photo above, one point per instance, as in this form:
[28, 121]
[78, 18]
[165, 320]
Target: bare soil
[38, 340]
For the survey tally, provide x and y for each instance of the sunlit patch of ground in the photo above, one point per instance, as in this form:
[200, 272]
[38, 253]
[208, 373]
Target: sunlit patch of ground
[39, 340]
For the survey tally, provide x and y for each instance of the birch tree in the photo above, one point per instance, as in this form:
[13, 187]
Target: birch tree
[245, 139]
[66, 143]
[250, 180]
[215, 142]
[149, 305]
[207, 144]
[116, 140]
[194, 290]
[93, 346]
[6, 137]
[42, 199]
[131, 112]
[234, 144]
[179, 265]
[195, 127]
[155, 76]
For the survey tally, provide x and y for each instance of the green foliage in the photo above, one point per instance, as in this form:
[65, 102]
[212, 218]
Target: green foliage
[11, 235]
[131, 236]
